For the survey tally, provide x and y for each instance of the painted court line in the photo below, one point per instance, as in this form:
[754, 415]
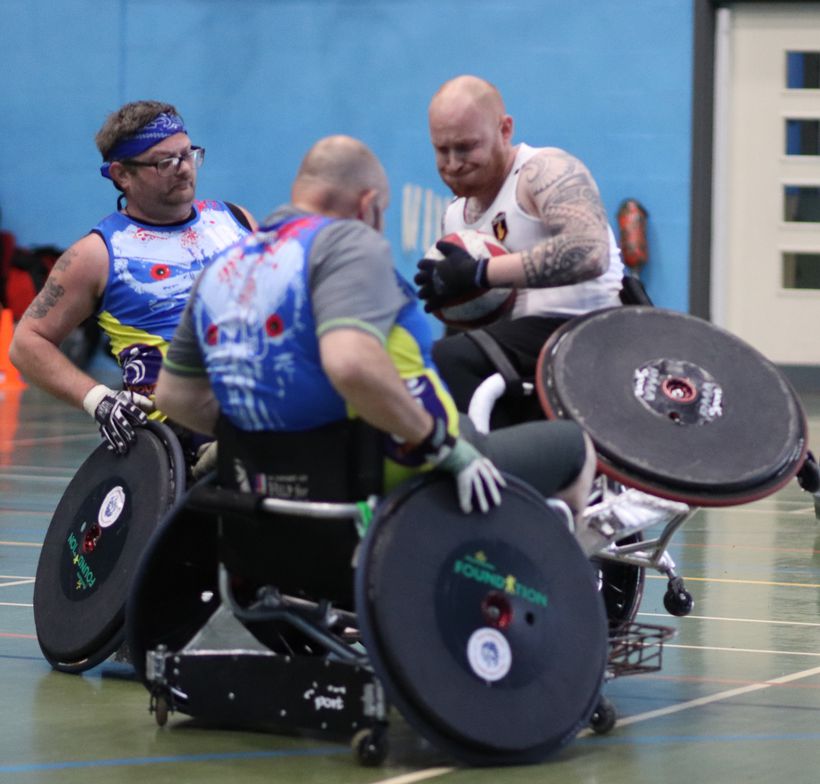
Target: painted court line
[720, 696]
[736, 582]
[419, 775]
[20, 544]
[9, 446]
[27, 581]
[15, 604]
[39, 478]
[125, 762]
[738, 650]
[732, 620]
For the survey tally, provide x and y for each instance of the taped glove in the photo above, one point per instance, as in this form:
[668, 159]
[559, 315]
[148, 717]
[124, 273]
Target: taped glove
[457, 274]
[116, 414]
[477, 479]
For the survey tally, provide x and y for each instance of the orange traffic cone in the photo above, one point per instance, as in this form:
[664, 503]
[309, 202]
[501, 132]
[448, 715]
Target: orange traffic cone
[9, 377]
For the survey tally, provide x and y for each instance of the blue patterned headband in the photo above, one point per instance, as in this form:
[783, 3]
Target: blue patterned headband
[161, 127]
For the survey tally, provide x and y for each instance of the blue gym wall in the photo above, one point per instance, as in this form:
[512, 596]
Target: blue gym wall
[259, 80]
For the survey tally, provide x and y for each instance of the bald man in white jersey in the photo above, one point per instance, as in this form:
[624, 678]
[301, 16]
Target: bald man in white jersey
[543, 205]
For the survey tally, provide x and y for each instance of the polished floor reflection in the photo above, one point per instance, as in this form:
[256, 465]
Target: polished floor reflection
[737, 700]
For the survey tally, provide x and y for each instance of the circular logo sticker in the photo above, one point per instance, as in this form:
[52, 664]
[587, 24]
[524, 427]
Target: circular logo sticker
[111, 507]
[489, 654]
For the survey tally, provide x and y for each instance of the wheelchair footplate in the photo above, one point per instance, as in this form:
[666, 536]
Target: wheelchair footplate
[225, 675]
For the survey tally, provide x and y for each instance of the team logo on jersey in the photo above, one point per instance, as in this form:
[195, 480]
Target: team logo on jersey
[500, 226]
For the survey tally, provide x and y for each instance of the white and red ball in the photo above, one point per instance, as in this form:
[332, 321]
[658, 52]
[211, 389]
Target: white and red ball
[483, 306]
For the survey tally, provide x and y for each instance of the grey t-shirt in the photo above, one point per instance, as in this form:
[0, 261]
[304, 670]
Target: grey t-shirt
[352, 285]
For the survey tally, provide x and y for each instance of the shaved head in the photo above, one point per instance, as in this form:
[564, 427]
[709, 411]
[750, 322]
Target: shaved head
[465, 90]
[471, 134]
[334, 175]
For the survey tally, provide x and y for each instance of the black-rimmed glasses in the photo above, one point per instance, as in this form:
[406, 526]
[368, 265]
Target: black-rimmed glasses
[167, 166]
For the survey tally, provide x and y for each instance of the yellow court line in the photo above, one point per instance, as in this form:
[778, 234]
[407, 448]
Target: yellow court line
[736, 582]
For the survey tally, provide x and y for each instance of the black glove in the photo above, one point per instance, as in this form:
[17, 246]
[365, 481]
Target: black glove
[457, 274]
[116, 414]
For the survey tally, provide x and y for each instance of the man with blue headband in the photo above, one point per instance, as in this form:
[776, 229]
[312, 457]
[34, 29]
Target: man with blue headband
[134, 270]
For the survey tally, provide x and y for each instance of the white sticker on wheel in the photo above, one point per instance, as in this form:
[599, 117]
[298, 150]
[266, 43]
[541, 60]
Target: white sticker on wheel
[112, 507]
[489, 654]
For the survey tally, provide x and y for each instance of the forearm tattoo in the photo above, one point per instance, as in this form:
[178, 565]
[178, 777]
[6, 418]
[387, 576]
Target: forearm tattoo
[570, 208]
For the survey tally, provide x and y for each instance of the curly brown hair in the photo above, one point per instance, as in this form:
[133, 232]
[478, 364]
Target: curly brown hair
[126, 121]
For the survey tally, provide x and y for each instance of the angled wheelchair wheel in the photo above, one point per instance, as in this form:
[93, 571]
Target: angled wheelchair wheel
[94, 542]
[675, 406]
[487, 631]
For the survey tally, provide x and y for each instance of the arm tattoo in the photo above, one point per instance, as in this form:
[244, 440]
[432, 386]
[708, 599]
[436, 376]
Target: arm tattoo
[570, 208]
[45, 300]
[64, 262]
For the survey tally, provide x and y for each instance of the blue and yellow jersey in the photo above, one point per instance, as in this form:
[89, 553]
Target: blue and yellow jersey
[257, 331]
[150, 275]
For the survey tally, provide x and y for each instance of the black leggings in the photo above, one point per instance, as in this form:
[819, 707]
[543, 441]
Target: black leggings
[463, 365]
[547, 455]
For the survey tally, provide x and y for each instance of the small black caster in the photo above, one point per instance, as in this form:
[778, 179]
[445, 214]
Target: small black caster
[370, 746]
[160, 707]
[603, 717]
[808, 477]
[677, 600]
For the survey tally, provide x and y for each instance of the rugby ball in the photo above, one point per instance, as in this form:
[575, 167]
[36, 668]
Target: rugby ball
[481, 307]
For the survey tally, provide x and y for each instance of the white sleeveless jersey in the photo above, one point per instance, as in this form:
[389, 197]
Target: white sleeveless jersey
[519, 231]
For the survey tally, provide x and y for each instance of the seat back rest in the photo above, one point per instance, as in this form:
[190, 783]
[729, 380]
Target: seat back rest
[300, 555]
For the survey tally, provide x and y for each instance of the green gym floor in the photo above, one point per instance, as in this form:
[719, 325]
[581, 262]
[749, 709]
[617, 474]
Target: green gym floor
[737, 699]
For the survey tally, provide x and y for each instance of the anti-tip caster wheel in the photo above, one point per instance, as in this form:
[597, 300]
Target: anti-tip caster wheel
[677, 600]
[160, 708]
[603, 717]
[370, 746]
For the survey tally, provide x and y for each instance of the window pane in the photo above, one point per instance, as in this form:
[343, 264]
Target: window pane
[801, 203]
[803, 70]
[802, 137]
[801, 270]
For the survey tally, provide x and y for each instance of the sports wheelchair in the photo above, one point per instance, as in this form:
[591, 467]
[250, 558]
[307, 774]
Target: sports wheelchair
[317, 611]
[673, 405]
